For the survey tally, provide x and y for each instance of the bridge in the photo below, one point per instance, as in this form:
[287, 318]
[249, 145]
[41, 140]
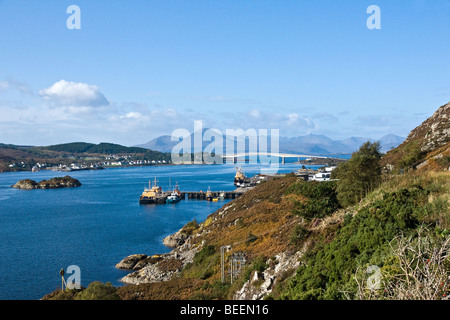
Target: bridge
[283, 156]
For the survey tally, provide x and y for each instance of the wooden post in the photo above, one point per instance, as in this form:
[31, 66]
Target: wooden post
[61, 272]
[222, 263]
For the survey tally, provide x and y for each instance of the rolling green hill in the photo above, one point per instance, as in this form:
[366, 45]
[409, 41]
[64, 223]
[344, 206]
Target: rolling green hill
[20, 158]
[101, 148]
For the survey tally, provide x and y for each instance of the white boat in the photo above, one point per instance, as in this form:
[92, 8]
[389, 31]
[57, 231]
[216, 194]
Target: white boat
[174, 196]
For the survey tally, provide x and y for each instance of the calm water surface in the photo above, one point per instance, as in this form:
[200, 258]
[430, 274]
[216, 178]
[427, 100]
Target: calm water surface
[97, 225]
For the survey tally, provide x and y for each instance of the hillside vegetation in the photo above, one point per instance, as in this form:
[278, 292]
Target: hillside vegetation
[25, 157]
[381, 230]
[101, 148]
[336, 247]
[427, 147]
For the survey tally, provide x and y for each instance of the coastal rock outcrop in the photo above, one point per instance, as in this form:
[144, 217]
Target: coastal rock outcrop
[131, 261]
[55, 183]
[159, 267]
[434, 132]
[175, 240]
[26, 184]
[427, 147]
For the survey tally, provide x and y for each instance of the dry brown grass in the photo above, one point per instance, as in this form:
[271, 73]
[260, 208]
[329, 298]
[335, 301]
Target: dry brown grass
[264, 212]
[176, 289]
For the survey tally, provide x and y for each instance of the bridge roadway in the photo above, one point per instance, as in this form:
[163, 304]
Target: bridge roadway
[283, 156]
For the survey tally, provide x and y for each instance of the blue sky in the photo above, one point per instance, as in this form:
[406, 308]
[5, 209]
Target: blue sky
[139, 69]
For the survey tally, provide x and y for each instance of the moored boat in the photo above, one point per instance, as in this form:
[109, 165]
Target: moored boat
[174, 196]
[152, 195]
[209, 195]
[240, 178]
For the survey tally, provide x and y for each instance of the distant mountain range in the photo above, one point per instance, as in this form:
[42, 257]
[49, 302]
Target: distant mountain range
[309, 144]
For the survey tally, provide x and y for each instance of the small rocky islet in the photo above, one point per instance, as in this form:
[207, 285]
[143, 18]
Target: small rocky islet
[54, 183]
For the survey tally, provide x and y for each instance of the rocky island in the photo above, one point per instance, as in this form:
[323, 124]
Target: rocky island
[55, 183]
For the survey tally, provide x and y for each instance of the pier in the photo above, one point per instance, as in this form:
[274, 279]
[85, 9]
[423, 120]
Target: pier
[201, 195]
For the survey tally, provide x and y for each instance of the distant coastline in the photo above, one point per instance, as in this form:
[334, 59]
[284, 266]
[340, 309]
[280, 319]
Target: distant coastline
[332, 161]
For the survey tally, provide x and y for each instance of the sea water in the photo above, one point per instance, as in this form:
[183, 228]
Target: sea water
[98, 224]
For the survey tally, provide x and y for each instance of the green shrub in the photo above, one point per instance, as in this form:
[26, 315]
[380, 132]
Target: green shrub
[258, 264]
[413, 155]
[98, 291]
[321, 200]
[363, 240]
[299, 234]
[67, 294]
[204, 253]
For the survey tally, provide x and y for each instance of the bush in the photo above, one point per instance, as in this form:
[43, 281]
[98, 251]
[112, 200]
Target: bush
[321, 200]
[299, 234]
[98, 291]
[413, 155]
[364, 240]
[204, 253]
[258, 264]
[190, 227]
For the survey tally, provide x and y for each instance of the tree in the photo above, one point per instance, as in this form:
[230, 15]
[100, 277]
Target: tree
[359, 175]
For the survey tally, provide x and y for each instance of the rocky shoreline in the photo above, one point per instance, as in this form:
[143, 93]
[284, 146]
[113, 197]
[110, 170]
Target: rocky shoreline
[159, 268]
[163, 267]
[55, 183]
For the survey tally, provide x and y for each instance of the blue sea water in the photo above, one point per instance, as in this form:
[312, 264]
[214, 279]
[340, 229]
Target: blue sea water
[96, 225]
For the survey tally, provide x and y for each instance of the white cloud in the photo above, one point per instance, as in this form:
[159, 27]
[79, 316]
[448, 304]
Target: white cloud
[292, 119]
[131, 115]
[74, 94]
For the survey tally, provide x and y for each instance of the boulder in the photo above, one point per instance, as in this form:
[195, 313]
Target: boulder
[130, 262]
[175, 240]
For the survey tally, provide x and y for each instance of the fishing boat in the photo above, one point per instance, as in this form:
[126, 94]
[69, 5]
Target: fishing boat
[174, 196]
[240, 178]
[209, 195]
[152, 195]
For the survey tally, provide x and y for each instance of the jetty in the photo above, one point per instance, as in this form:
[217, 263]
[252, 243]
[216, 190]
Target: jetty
[201, 195]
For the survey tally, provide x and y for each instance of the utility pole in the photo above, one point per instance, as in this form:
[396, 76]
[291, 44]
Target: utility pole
[222, 263]
[63, 282]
